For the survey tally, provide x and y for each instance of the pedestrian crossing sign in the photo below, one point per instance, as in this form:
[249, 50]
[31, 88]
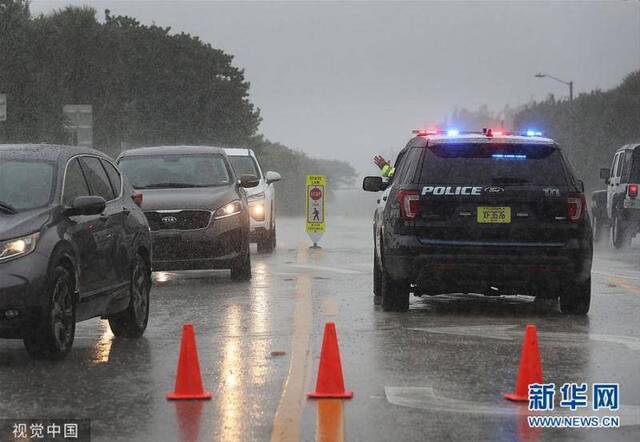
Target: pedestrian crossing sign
[315, 209]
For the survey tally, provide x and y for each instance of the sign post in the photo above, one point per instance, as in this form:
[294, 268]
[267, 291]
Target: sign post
[79, 123]
[315, 207]
[3, 107]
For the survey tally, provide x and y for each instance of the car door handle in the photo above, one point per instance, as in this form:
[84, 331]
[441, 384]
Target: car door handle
[126, 211]
[103, 217]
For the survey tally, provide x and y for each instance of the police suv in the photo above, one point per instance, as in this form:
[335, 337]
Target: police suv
[486, 212]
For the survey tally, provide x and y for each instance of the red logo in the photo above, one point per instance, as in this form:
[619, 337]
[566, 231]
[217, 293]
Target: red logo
[315, 193]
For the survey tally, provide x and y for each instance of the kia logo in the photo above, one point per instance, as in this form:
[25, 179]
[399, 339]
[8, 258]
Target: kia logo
[169, 219]
[493, 189]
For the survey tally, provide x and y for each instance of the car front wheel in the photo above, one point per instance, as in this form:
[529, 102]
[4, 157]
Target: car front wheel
[132, 322]
[268, 244]
[53, 337]
[241, 267]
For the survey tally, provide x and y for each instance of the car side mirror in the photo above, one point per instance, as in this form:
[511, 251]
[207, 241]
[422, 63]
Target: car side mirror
[248, 181]
[607, 181]
[272, 177]
[86, 205]
[580, 185]
[604, 174]
[373, 184]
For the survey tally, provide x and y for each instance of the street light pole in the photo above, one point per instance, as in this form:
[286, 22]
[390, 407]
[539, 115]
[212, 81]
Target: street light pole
[568, 83]
[571, 90]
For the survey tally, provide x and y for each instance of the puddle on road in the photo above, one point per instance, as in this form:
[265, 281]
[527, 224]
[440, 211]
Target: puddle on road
[515, 332]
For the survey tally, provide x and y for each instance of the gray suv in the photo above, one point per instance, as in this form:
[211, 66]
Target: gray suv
[196, 207]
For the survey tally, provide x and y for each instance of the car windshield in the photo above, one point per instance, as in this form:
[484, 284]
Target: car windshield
[483, 163]
[244, 165]
[25, 184]
[175, 171]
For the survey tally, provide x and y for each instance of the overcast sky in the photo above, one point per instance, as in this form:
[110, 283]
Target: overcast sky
[345, 80]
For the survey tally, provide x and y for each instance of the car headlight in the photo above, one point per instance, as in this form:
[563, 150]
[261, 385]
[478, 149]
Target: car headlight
[256, 197]
[14, 248]
[233, 208]
[257, 211]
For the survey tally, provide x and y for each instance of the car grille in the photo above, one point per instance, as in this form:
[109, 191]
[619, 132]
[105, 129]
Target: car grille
[183, 220]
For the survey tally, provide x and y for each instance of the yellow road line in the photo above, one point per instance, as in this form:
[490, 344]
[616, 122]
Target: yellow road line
[286, 423]
[303, 254]
[622, 283]
[329, 420]
[329, 307]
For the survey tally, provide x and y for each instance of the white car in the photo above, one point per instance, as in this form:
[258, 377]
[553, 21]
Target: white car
[262, 198]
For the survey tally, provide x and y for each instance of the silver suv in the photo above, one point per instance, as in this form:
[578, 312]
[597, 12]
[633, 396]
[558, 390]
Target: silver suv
[262, 198]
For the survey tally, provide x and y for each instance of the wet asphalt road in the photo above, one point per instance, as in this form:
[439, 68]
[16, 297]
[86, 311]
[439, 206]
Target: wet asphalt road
[434, 373]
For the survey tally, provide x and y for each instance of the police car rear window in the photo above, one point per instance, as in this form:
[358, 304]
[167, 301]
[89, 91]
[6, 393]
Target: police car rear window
[499, 164]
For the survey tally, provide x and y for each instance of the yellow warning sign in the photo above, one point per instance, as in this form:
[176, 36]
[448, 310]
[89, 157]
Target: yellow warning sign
[316, 189]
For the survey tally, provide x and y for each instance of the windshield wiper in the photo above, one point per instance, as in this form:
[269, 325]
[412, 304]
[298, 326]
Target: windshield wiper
[7, 208]
[509, 180]
[166, 185]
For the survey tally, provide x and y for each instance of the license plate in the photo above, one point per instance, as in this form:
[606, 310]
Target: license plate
[494, 215]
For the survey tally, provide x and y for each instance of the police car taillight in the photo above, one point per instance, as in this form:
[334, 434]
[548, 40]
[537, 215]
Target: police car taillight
[409, 203]
[632, 190]
[576, 204]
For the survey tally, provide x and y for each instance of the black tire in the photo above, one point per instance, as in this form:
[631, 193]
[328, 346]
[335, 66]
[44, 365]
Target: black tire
[132, 322]
[241, 267]
[274, 239]
[598, 227]
[53, 338]
[377, 282]
[395, 294]
[268, 244]
[620, 237]
[576, 298]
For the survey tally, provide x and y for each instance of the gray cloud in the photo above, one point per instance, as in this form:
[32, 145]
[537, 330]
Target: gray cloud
[344, 80]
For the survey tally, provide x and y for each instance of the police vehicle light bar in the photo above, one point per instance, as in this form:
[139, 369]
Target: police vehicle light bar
[488, 132]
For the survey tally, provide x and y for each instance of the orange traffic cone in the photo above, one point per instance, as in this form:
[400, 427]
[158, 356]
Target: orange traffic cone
[530, 371]
[330, 382]
[188, 379]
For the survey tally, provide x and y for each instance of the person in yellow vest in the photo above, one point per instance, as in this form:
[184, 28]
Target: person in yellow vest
[386, 169]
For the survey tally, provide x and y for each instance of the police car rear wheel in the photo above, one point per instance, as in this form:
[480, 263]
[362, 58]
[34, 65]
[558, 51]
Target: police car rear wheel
[395, 294]
[576, 298]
